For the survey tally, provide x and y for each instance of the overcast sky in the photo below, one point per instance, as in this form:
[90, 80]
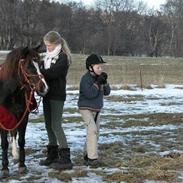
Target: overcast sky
[151, 3]
[154, 3]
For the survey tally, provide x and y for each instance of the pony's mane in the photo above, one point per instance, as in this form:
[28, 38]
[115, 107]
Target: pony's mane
[10, 64]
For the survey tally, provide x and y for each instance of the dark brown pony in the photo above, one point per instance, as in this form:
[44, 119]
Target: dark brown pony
[20, 77]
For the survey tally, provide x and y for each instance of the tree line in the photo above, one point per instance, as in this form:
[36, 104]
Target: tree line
[112, 27]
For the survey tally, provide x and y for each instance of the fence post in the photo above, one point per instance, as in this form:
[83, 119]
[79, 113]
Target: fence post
[141, 81]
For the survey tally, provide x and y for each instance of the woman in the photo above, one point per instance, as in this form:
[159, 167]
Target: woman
[54, 68]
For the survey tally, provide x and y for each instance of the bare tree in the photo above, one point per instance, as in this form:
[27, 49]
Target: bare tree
[114, 27]
[154, 33]
[173, 10]
[8, 14]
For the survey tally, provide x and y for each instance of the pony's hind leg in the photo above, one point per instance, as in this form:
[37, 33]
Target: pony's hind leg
[21, 143]
[4, 146]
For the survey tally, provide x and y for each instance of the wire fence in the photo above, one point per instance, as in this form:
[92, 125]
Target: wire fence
[142, 75]
[124, 71]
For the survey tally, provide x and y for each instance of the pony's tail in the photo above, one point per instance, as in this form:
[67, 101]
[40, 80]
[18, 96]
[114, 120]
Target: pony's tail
[66, 50]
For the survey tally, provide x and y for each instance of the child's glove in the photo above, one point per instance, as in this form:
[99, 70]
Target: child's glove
[102, 78]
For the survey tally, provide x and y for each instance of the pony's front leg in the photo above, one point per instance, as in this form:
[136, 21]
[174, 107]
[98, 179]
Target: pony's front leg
[4, 146]
[21, 143]
[14, 146]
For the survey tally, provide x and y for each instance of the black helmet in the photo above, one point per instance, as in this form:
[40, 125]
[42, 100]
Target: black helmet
[94, 59]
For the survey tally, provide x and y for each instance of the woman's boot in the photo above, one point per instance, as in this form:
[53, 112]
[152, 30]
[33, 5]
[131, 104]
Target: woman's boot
[52, 155]
[64, 161]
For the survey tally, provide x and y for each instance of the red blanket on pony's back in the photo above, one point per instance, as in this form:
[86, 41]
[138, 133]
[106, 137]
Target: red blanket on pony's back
[7, 119]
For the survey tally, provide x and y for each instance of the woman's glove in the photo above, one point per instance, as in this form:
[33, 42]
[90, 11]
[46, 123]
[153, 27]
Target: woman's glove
[102, 78]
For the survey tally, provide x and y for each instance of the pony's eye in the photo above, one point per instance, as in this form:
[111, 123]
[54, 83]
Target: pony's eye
[30, 67]
[36, 59]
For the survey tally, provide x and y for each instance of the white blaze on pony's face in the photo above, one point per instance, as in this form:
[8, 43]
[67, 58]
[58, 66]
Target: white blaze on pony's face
[45, 86]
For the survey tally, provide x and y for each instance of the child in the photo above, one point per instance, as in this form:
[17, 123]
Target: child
[93, 86]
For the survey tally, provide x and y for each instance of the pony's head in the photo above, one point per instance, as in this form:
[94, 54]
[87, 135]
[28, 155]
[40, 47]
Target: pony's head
[28, 69]
[23, 64]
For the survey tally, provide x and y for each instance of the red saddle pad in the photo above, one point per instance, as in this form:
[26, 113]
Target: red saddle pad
[7, 119]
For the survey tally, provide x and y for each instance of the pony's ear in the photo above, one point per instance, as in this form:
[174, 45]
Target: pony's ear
[24, 52]
[36, 48]
[39, 48]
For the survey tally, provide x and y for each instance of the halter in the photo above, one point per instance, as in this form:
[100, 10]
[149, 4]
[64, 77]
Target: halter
[26, 76]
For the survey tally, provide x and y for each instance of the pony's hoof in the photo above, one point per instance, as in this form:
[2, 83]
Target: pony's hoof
[15, 161]
[4, 173]
[22, 170]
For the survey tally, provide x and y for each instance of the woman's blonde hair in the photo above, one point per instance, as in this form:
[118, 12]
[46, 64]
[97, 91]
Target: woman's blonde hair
[55, 38]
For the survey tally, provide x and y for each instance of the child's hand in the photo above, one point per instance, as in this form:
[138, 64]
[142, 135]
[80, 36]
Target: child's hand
[102, 78]
[104, 74]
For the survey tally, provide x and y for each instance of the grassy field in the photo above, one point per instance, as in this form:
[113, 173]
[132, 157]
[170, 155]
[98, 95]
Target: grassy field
[131, 70]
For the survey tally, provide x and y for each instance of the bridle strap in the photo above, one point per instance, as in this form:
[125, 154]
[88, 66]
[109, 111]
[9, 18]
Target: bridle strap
[26, 76]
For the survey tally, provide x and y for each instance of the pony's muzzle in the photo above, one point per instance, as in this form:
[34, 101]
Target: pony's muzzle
[43, 90]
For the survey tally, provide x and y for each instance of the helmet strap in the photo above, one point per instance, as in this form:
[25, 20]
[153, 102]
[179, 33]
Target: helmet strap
[92, 70]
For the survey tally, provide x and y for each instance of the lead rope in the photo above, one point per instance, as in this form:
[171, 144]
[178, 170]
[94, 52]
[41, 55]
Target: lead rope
[36, 110]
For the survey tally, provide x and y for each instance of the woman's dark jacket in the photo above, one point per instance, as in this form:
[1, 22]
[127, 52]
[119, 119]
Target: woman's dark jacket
[55, 77]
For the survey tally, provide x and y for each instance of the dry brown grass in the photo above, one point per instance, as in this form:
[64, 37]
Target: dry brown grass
[126, 70]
